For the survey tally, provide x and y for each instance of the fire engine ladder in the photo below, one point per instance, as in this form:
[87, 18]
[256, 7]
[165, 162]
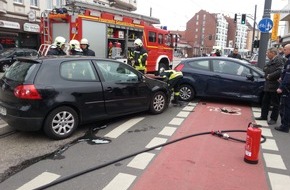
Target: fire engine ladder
[43, 49]
[94, 6]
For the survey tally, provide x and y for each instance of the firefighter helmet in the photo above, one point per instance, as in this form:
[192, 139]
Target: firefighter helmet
[59, 41]
[84, 41]
[75, 44]
[138, 42]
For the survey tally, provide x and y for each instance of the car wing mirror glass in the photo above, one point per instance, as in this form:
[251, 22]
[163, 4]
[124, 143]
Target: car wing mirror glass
[250, 77]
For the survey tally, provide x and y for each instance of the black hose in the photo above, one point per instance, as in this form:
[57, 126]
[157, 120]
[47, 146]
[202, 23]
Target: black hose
[132, 155]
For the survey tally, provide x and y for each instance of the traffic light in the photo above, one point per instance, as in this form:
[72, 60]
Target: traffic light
[235, 18]
[243, 20]
[256, 43]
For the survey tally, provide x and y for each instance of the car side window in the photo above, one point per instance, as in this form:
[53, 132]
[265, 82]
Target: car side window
[201, 65]
[231, 68]
[116, 72]
[81, 70]
[19, 53]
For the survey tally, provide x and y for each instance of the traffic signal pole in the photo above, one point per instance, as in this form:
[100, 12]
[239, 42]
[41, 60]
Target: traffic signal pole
[264, 37]
[254, 30]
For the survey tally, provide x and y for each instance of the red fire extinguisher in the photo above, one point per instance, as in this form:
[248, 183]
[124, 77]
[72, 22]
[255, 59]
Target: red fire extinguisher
[253, 142]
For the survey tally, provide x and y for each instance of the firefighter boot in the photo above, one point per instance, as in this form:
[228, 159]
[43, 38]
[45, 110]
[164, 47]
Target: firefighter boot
[175, 100]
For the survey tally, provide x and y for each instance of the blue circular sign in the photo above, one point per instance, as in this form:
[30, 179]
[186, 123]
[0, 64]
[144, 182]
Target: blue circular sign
[265, 25]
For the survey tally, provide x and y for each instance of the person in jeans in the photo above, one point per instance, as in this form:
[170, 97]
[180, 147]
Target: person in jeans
[272, 70]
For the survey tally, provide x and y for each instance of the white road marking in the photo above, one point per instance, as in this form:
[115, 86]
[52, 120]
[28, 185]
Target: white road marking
[156, 141]
[192, 104]
[141, 160]
[124, 127]
[279, 181]
[262, 122]
[167, 131]
[188, 108]
[267, 132]
[270, 144]
[256, 109]
[274, 161]
[122, 181]
[257, 114]
[42, 179]
[176, 121]
[183, 114]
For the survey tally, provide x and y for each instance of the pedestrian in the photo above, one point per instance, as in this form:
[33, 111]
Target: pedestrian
[85, 47]
[57, 48]
[172, 77]
[75, 48]
[235, 54]
[140, 55]
[284, 90]
[281, 54]
[272, 70]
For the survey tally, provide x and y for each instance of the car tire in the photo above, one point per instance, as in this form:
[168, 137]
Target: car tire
[158, 103]
[4, 67]
[61, 123]
[186, 92]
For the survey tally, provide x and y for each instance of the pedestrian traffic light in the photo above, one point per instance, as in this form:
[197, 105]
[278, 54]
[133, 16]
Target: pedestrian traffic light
[235, 18]
[243, 20]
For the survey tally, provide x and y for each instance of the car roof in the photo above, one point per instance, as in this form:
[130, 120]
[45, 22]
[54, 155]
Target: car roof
[64, 58]
[214, 58]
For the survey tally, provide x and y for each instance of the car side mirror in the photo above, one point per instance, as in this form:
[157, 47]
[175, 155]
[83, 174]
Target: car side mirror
[250, 77]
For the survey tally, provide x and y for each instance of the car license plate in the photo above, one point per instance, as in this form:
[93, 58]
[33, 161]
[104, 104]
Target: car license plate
[3, 111]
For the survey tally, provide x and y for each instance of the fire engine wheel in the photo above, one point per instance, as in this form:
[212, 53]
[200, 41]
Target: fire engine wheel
[61, 123]
[186, 92]
[158, 103]
[162, 66]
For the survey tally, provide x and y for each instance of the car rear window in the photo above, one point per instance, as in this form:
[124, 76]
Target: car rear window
[19, 71]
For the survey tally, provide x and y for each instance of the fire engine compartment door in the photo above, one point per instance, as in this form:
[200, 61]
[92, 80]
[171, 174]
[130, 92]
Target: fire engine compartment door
[60, 29]
[96, 33]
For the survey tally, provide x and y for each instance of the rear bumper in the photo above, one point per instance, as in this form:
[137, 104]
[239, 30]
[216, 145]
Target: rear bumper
[23, 123]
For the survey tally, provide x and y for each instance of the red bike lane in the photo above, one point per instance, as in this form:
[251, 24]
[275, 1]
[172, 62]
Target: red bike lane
[206, 162]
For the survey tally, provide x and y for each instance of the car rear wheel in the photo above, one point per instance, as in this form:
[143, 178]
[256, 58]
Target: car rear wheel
[186, 92]
[4, 67]
[61, 123]
[158, 103]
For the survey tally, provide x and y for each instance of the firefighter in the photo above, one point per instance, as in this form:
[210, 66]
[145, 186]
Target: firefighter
[172, 77]
[130, 56]
[85, 47]
[57, 48]
[140, 56]
[74, 48]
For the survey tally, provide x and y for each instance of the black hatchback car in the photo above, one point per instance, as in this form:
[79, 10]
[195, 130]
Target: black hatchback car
[9, 56]
[59, 94]
[220, 77]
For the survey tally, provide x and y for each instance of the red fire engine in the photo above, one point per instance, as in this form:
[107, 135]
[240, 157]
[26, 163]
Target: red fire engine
[110, 32]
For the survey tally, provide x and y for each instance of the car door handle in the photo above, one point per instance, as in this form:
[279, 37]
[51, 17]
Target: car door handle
[109, 89]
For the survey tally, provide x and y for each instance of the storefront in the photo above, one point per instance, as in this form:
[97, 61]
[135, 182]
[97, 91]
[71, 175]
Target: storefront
[19, 33]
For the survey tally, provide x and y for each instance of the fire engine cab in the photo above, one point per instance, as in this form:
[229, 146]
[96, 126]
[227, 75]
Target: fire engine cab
[110, 32]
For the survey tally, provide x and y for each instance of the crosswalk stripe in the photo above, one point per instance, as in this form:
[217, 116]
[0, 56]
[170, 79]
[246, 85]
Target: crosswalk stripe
[141, 160]
[122, 181]
[274, 161]
[270, 144]
[176, 121]
[42, 179]
[124, 127]
[279, 181]
[156, 141]
[167, 131]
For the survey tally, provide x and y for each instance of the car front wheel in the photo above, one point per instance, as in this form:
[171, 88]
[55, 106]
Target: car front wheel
[158, 103]
[61, 123]
[4, 67]
[186, 92]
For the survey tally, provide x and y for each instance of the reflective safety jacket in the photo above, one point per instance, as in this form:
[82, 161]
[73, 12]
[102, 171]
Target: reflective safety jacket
[140, 58]
[171, 74]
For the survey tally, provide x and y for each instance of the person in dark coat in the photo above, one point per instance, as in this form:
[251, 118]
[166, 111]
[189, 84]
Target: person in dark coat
[284, 90]
[75, 48]
[85, 47]
[272, 70]
[235, 54]
[57, 48]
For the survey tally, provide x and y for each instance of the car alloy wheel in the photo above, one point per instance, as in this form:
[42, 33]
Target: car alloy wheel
[5, 67]
[158, 103]
[61, 123]
[186, 92]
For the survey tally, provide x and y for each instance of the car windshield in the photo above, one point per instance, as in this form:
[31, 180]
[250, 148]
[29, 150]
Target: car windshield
[7, 53]
[19, 71]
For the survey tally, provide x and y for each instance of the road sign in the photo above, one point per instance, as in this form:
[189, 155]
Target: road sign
[265, 25]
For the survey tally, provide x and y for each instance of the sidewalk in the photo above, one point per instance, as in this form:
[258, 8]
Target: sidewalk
[206, 162]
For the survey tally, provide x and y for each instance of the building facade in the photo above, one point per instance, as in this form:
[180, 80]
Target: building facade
[20, 21]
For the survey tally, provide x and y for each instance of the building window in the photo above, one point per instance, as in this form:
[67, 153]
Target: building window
[49, 4]
[18, 1]
[58, 3]
[34, 3]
